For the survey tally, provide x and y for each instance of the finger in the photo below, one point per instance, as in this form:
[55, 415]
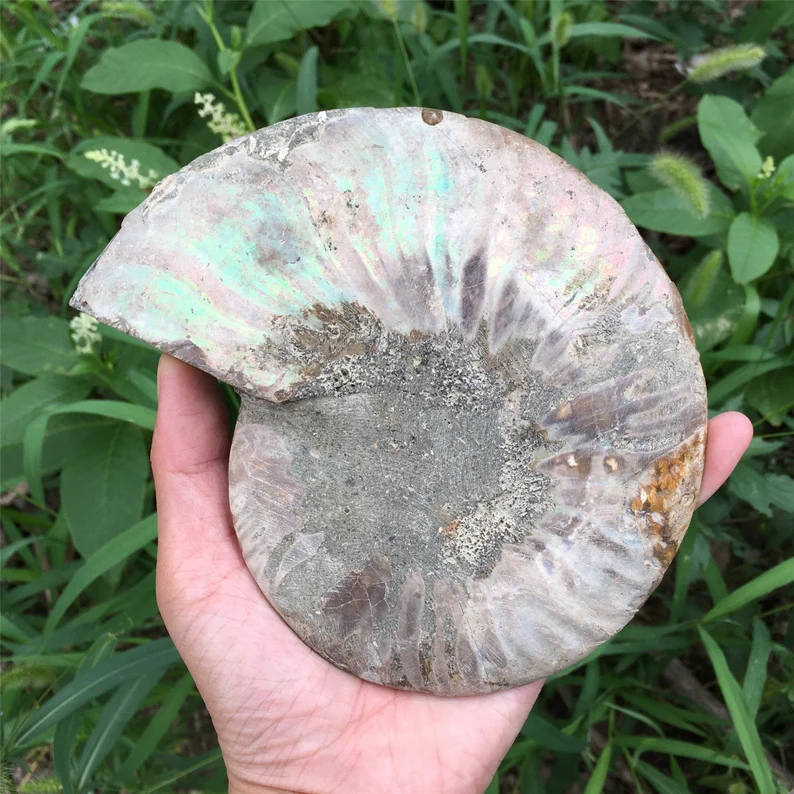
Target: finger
[190, 453]
[729, 435]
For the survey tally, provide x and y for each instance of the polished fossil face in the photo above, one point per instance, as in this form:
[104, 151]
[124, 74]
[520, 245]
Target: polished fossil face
[473, 420]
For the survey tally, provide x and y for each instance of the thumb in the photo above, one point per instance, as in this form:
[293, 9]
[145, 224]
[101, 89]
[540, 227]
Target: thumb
[190, 453]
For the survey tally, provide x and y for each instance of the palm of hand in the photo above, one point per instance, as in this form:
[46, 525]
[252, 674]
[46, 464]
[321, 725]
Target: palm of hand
[286, 719]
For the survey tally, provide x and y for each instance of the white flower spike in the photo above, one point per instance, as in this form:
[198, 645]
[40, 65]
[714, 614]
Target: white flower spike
[119, 170]
[84, 333]
[228, 125]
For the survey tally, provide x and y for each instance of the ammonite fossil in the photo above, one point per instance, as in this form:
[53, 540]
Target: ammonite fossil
[473, 415]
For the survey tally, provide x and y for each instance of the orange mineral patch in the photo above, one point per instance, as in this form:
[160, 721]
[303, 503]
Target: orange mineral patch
[656, 498]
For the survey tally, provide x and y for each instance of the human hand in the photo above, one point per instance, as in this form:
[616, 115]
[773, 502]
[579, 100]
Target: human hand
[287, 721]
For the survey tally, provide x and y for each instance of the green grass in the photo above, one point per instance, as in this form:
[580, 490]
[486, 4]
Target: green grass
[696, 694]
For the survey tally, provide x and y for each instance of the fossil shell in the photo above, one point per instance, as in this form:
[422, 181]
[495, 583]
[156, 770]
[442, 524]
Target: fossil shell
[473, 414]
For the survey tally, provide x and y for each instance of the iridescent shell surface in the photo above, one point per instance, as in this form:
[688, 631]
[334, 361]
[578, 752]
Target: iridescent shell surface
[474, 417]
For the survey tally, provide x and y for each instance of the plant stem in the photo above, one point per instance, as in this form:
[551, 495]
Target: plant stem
[206, 15]
[751, 186]
[764, 418]
[408, 66]
[238, 96]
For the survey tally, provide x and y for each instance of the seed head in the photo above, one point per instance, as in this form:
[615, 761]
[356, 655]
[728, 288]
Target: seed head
[684, 177]
[718, 63]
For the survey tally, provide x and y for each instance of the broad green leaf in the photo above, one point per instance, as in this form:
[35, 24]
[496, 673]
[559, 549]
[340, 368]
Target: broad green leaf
[116, 550]
[62, 433]
[739, 353]
[713, 302]
[113, 719]
[154, 655]
[125, 339]
[157, 727]
[275, 20]
[37, 345]
[664, 211]
[113, 409]
[729, 137]
[145, 64]
[783, 178]
[779, 576]
[275, 94]
[755, 676]
[306, 87]
[364, 82]
[26, 402]
[768, 18]
[746, 483]
[36, 432]
[150, 158]
[227, 60]
[774, 115]
[135, 386]
[742, 721]
[752, 247]
[740, 376]
[597, 779]
[640, 181]
[759, 446]
[121, 202]
[781, 491]
[102, 485]
[772, 395]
